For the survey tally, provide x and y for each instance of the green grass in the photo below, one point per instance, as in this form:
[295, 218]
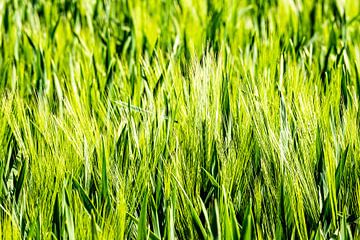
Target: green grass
[179, 119]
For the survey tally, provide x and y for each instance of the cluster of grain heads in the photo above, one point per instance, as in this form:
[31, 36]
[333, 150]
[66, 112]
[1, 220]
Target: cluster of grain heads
[204, 120]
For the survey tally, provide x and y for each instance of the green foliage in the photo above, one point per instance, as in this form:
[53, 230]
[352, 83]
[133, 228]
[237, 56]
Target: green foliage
[179, 119]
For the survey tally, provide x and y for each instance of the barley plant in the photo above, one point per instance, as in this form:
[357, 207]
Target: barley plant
[180, 119]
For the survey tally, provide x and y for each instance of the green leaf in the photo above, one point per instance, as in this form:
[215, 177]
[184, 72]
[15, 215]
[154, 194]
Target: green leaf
[20, 181]
[247, 225]
[56, 218]
[142, 224]
[104, 178]
[340, 168]
[84, 198]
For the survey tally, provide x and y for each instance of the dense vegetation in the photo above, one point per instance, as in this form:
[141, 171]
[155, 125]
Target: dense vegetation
[180, 119]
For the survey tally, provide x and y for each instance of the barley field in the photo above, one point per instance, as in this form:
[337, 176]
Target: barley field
[180, 119]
